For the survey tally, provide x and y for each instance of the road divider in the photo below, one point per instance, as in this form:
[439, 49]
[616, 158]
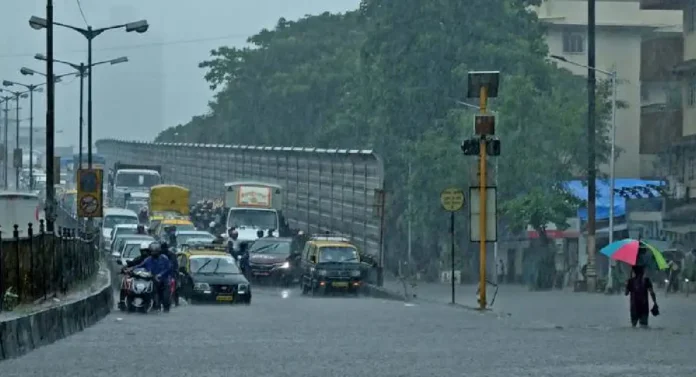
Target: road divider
[21, 335]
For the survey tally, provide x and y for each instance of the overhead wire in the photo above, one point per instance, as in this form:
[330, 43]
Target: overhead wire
[138, 46]
[82, 13]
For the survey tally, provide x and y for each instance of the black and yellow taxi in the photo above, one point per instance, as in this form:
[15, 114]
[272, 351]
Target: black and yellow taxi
[209, 274]
[330, 264]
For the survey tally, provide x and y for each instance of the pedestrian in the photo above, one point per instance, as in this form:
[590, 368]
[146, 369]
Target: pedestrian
[500, 269]
[638, 287]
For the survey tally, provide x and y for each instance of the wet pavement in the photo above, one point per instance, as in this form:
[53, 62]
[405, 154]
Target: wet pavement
[530, 334]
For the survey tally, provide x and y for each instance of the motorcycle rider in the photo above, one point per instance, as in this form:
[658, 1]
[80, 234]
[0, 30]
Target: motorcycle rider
[161, 268]
[144, 253]
[143, 216]
[140, 229]
[175, 268]
[233, 243]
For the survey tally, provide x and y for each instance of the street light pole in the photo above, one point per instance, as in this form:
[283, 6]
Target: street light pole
[613, 75]
[82, 103]
[31, 140]
[18, 165]
[89, 97]
[7, 150]
[50, 120]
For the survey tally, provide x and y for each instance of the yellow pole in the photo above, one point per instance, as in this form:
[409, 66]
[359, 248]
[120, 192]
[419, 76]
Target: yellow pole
[483, 100]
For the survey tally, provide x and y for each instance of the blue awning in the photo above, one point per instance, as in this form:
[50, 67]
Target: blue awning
[579, 190]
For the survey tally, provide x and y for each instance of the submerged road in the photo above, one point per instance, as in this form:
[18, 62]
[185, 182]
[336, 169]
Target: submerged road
[292, 335]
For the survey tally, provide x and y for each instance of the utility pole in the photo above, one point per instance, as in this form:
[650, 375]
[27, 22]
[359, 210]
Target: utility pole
[7, 125]
[482, 85]
[50, 120]
[18, 164]
[591, 170]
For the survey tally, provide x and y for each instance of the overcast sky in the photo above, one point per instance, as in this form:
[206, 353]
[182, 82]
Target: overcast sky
[161, 85]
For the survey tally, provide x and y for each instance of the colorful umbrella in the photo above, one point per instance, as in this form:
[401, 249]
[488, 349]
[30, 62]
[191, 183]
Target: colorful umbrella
[628, 251]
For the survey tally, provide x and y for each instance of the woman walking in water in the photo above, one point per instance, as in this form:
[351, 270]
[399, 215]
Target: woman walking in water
[638, 286]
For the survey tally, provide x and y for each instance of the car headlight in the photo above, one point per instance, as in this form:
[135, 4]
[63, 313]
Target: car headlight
[201, 286]
[284, 265]
[355, 273]
[686, 280]
[321, 272]
[242, 288]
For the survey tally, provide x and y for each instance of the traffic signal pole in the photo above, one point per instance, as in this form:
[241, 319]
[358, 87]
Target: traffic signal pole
[483, 102]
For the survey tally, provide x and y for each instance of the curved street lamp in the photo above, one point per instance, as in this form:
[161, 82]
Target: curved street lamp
[17, 156]
[82, 70]
[90, 33]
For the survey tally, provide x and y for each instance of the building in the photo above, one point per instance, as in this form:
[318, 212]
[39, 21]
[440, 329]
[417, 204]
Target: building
[622, 28]
[679, 160]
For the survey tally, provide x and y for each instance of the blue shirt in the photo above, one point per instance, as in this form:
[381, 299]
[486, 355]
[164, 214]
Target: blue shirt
[160, 266]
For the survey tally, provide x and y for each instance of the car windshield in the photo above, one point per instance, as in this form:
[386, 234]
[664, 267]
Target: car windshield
[135, 206]
[214, 265]
[198, 237]
[131, 250]
[113, 220]
[338, 254]
[119, 231]
[252, 218]
[143, 180]
[264, 246]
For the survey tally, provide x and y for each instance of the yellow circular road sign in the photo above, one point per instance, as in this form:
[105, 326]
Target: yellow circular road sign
[452, 199]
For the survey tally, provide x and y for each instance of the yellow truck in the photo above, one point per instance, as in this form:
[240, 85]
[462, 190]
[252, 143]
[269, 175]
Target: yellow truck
[167, 201]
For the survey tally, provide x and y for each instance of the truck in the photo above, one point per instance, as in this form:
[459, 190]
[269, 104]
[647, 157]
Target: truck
[254, 206]
[129, 178]
[20, 208]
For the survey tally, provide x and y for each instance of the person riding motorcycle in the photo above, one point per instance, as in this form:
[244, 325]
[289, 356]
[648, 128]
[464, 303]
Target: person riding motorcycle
[144, 253]
[143, 215]
[161, 268]
[140, 229]
[232, 243]
[175, 268]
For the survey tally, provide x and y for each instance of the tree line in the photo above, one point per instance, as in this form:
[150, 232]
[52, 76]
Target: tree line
[391, 76]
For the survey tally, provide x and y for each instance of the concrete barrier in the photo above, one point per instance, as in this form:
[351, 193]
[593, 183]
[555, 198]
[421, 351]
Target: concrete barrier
[21, 335]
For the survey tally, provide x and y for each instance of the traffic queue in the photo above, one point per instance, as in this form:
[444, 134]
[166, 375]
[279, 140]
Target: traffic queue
[170, 250]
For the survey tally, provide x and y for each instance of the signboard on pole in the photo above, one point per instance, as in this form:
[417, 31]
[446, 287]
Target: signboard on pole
[452, 199]
[475, 214]
[89, 193]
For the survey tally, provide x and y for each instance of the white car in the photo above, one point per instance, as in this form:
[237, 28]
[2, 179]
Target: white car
[113, 217]
[130, 250]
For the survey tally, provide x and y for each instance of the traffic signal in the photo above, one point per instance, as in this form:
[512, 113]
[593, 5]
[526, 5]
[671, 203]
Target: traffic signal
[471, 147]
[493, 147]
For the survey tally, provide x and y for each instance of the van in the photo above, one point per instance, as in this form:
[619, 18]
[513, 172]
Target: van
[19, 208]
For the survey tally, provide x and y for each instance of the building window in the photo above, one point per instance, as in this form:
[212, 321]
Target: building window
[573, 43]
[692, 93]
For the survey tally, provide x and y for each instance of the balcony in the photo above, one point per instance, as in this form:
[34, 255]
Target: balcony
[662, 4]
[659, 55]
[660, 128]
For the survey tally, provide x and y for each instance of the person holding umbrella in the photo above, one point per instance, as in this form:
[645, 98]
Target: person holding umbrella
[638, 254]
[638, 287]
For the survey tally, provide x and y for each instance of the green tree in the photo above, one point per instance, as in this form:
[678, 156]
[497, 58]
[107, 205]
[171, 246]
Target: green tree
[389, 76]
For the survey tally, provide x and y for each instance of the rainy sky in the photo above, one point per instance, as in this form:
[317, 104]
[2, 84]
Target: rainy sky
[161, 85]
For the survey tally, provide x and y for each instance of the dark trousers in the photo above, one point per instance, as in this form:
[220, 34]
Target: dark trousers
[639, 317]
[162, 293]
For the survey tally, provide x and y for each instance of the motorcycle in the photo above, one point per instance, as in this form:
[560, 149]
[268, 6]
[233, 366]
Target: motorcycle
[139, 291]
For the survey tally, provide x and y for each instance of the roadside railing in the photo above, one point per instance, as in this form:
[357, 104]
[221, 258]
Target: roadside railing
[40, 265]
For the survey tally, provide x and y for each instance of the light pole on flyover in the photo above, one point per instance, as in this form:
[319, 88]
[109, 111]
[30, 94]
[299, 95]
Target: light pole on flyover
[89, 33]
[82, 71]
[31, 88]
[16, 156]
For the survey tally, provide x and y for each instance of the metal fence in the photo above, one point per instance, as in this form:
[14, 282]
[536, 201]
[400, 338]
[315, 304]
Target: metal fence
[43, 264]
[335, 190]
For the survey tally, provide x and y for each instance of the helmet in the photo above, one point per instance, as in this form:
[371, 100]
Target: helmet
[154, 246]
